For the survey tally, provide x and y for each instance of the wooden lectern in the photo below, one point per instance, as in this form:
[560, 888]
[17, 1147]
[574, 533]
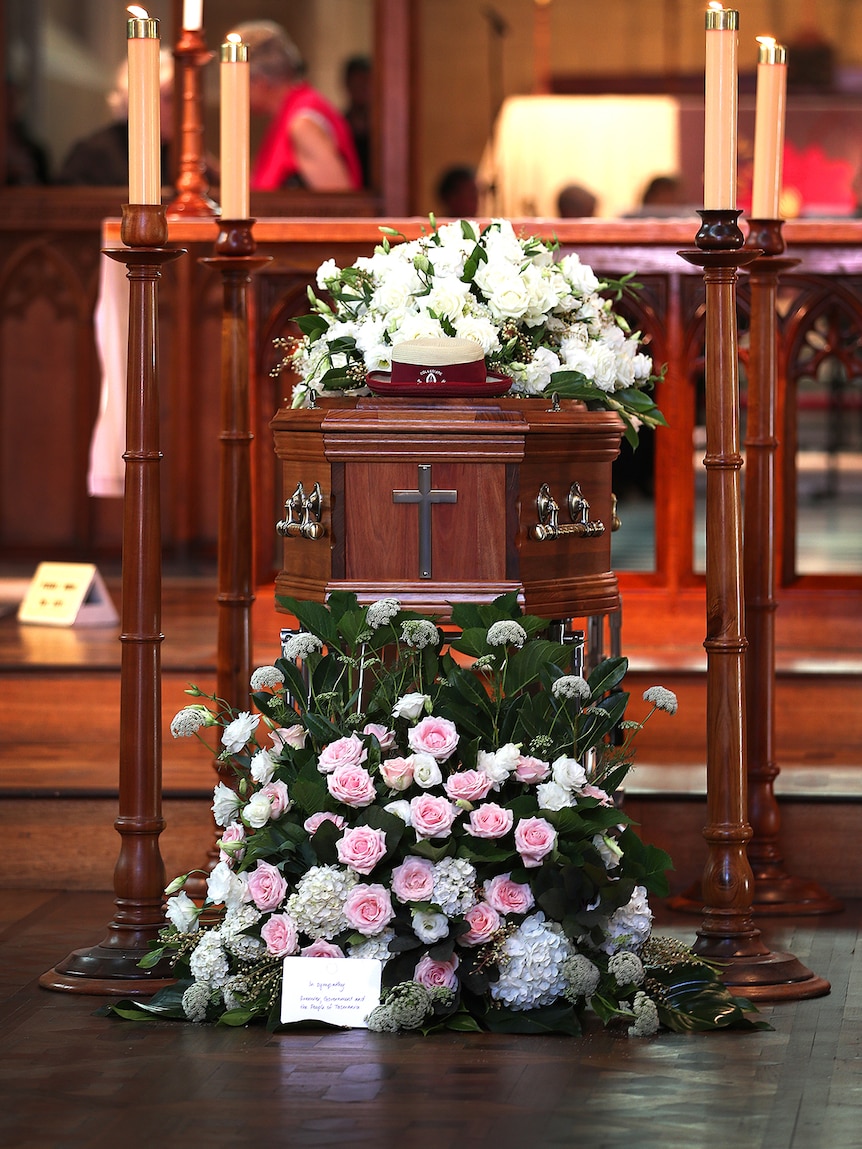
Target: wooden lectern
[438, 502]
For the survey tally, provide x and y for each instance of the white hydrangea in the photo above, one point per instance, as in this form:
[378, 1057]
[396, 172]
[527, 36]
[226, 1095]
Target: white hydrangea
[317, 903]
[208, 962]
[376, 947]
[629, 927]
[531, 965]
[454, 886]
[236, 942]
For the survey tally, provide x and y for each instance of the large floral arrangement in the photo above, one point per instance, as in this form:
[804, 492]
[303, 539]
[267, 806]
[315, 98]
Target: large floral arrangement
[548, 322]
[443, 801]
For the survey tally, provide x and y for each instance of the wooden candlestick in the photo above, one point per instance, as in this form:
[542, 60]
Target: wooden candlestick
[775, 891]
[235, 259]
[728, 934]
[111, 967]
[192, 56]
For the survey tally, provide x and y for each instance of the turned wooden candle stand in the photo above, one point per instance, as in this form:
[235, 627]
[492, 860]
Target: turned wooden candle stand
[112, 966]
[192, 55]
[728, 934]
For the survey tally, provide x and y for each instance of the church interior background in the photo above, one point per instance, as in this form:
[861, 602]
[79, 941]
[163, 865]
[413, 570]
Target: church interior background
[533, 95]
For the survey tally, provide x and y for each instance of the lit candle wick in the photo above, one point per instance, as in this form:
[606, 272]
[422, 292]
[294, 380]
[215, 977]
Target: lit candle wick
[137, 12]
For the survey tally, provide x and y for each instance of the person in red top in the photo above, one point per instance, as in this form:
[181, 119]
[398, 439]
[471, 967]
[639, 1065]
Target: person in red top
[308, 142]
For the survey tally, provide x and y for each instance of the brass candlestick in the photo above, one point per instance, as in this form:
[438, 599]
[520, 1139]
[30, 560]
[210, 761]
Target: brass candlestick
[775, 891]
[192, 55]
[111, 967]
[728, 934]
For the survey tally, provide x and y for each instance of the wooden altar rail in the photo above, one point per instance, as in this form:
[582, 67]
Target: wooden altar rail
[48, 277]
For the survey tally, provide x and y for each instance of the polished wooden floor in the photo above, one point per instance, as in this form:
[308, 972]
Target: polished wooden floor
[73, 1078]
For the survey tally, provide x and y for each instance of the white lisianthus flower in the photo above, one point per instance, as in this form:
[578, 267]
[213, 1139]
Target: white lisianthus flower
[568, 773]
[182, 913]
[224, 887]
[226, 804]
[236, 734]
[428, 926]
[400, 808]
[258, 811]
[426, 772]
[553, 796]
[410, 706]
[262, 767]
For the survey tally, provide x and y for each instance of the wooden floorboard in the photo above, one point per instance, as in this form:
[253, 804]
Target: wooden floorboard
[72, 1078]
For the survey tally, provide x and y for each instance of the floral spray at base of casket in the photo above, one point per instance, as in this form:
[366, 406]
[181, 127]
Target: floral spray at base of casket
[441, 800]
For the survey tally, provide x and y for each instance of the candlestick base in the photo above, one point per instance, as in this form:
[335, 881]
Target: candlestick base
[144, 225]
[235, 237]
[719, 230]
[765, 234]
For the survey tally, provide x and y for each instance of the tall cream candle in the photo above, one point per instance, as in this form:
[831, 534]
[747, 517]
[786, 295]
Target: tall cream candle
[769, 117]
[234, 128]
[719, 162]
[145, 175]
[193, 15]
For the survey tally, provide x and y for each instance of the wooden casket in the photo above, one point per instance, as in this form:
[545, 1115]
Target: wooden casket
[436, 502]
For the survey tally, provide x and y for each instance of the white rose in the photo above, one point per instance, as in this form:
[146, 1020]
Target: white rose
[419, 325]
[480, 329]
[579, 275]
[447, 298]
[326, 273]
[410, 706]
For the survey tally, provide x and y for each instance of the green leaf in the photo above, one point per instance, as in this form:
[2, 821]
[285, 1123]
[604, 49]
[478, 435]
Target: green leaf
[238, 1016]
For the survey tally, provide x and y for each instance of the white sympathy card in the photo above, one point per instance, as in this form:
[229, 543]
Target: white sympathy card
[340, 991]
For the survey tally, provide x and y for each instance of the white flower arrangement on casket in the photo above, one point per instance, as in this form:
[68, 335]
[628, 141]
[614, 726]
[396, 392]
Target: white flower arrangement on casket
[546, 321]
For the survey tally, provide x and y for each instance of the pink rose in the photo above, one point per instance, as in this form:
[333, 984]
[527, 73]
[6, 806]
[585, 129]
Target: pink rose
[368, 909]
[413, 880]
[490, 821]
[266, 887]
[292, 736]
[235, 832]
[435, 736]
[433, 974]
[508, 897]
[432, 817]
[534, 839]
[278, 798]
[484, 923]
[468, 785]
[384, 736]
[532, 769]
[279, 933]
[312, 825]
[352, 785]
[397, 773]
[321, 948]
[361, 848]
[343, 752]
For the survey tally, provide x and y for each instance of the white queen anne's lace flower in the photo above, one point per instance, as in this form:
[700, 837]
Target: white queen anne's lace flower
[266, 676]
[572, 686]
[381, 612]
[507, 632]
[301, 646]
[661, 698]
[189, 720]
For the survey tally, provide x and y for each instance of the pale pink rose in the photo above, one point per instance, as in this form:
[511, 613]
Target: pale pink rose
[279, 933]
[292, 736]
[352, 785]
[312, 825]
[432, 817]
[490, 821]
[235, 832]
[266, 887]
[484, 923]
[433, 974]
[368, 909]
[532, 770]
[413, 880]
[468, 785]
[361, 848]
[321, 948]
[278, 798]
[508, 897]
[603, 798]
[342, 752]
[384, 736]
[435, 736]
[397, 773]
[534, 839]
